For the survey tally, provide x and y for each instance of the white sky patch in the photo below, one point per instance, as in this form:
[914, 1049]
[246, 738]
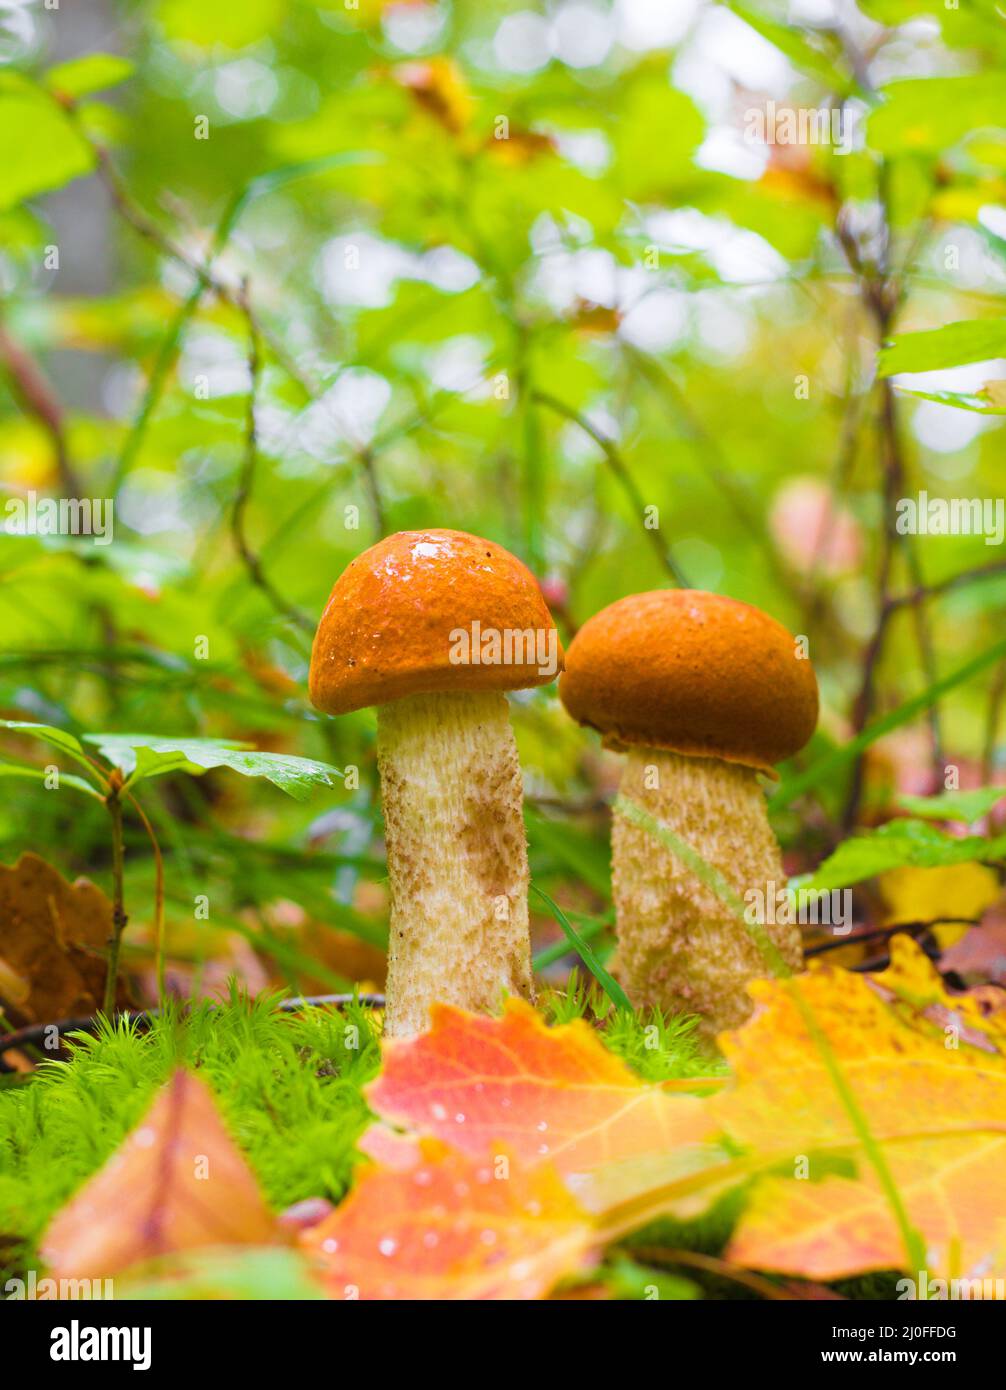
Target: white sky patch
[245, 88]
[705, 82]
[577, 444]
[411, 28]
[993, 218]
[813, 12]
[212, 365]
[521, 43]
[458, 364]
[582, 35]
[361, 270]
[734, 47]
[150, 503]
[944, 429]
[738, 256]
[447, 269]
[643, 24]
[656, 321]
[727, 152]
[347, 413]
[562, 277]
[723, 328]
[588, 150]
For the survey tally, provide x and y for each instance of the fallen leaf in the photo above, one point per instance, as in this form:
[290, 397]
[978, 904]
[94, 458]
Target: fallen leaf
[928, 1071]
[926, 895]
[53, 938]
[177, 1182]
[450, 1228]
[951, 1189]
[554, 1094]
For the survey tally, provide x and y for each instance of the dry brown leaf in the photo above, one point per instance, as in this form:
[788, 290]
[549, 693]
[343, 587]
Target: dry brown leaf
[53, 935]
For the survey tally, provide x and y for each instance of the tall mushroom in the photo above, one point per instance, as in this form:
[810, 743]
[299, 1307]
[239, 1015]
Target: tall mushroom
[432, 627]
[703, 694]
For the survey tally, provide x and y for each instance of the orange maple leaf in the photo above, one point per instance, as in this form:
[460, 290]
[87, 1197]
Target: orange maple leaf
[545, 1094]
[451, 1227]
[177, 1182]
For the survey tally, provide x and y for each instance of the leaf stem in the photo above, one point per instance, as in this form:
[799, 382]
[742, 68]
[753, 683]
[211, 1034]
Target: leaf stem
[119, 918]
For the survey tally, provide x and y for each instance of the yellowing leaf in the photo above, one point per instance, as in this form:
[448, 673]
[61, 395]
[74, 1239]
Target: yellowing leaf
[954, 1191]
[906, 1081]
[926, 895]
[177, 1182]
[451, 1227]
[928, 1071]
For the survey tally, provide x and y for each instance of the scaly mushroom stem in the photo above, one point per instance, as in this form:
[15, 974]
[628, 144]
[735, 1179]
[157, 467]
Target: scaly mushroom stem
[457, 856]
[680, 947]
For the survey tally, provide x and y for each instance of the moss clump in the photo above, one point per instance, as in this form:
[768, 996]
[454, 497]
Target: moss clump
[289, 1087]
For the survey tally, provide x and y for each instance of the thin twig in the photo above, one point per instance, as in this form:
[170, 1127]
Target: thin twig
[617, 465]
[37, 396]
[246, 482]
[119, 918]
[992, 715]
[881, 933]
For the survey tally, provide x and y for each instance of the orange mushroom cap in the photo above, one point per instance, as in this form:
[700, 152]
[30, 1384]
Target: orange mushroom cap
[389, 627]
[695, 673]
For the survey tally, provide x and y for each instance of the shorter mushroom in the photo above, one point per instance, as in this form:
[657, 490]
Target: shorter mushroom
[433, 627]
[703, 694]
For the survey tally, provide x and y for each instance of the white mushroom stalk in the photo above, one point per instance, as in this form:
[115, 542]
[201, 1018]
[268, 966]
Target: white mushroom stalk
[457, 856]
[682, 946]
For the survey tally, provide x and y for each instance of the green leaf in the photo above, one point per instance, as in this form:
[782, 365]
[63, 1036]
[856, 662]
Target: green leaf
[36, 774]
[657, 135]
[796, 46]
[41, 148]
[151, 755]
[898, 844]
[230, 24]
[934, 113]
[963, 806]
[960, 400]
[48, 733]
[83, 76]
[608, 983]
[969, 340]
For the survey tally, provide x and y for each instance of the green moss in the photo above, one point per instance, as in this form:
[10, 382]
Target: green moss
[288, 1085]
[656, 1047]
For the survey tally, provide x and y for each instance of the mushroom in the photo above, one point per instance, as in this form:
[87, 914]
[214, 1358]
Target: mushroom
[432, 627]
[703, 694]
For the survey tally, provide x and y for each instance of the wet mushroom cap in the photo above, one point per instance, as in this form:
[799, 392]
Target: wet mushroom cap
[386, 630]
[694, 673]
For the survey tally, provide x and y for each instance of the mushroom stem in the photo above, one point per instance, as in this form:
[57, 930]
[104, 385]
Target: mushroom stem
[457, 856]
[680, 947]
